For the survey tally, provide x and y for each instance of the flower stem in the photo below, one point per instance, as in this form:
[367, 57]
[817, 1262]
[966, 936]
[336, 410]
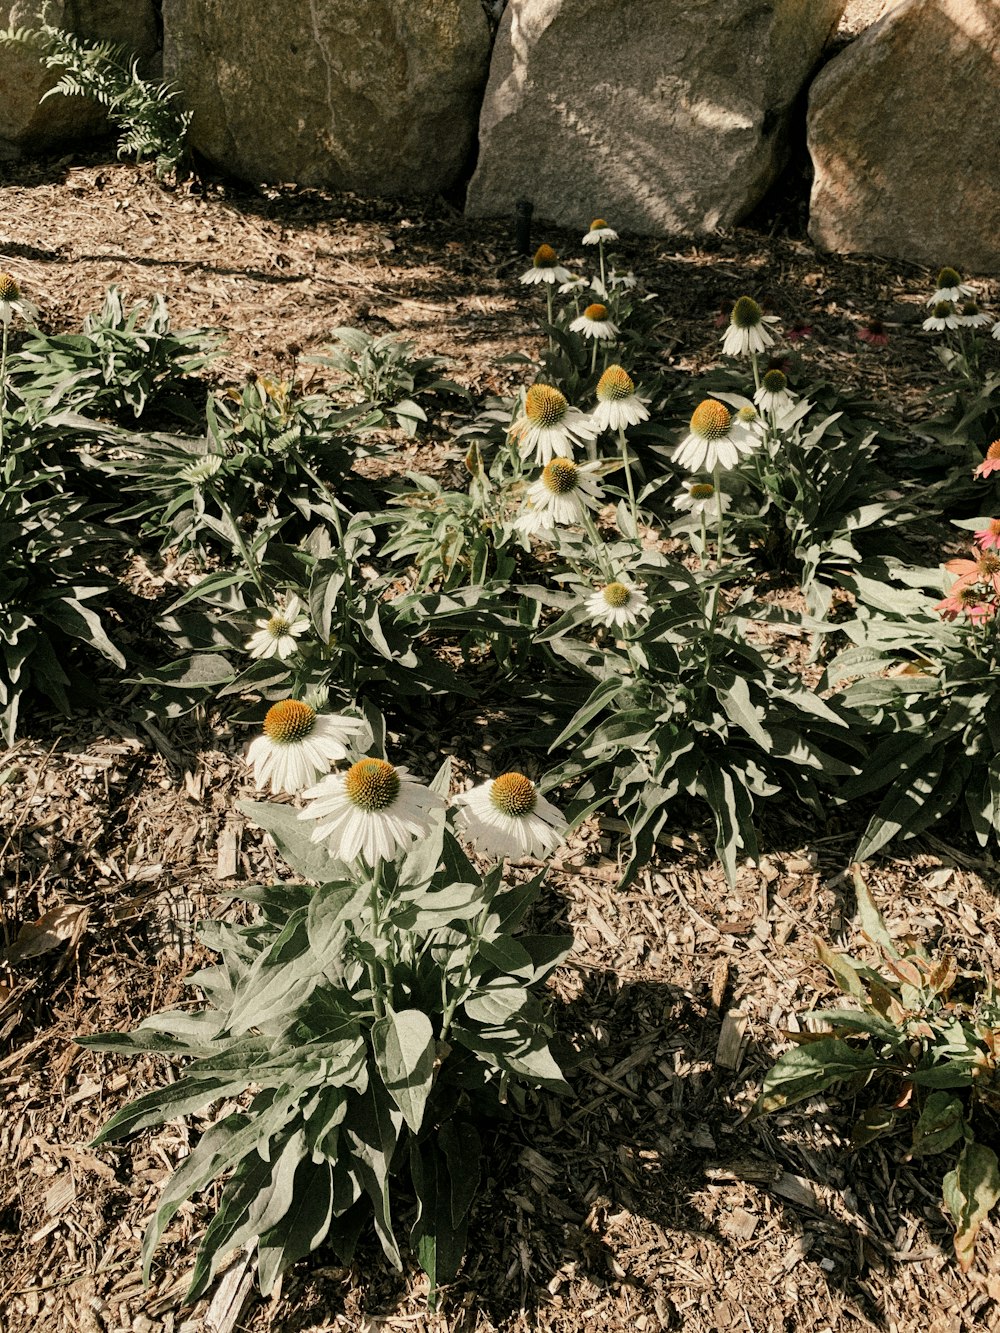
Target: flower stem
[3, 387]
[756, 369]
[599, 550]
[604, 285]
[628, 477]
[548, 301]
[253, 568]
[378, 972]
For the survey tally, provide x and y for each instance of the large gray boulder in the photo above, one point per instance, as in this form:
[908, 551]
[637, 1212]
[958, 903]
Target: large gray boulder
[378, 96]
[902, 129]
[658, 115]
[28, 125]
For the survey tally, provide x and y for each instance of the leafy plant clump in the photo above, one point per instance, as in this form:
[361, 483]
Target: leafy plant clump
[373, 1024]
[924, 1041]
[143, 111]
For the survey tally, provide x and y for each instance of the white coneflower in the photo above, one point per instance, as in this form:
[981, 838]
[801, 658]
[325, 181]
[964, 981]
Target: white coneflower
[372, 810]
[747, 331]
[201, 470]
[599, 231]
[13, 303]
[508, 817]
[618, 604]
[716, 439]
[573, 284]
[276, 634]
[298, 744]
[545, 267]
[560, 496]
[594, 323]
[950, 287]
[774, 395]
[943, 316]
[701, 497]
[618, 404]
[970, 316]
[626, 281]
[548, 427]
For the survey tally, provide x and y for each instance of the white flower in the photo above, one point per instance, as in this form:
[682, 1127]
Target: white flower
[716, 439]
[297, 745]
[618, 404]
[560, 495]
[276, 634]
[545, 267]
[942, 317]
[594, 323]
[619, 603]
[626, 281]
[507, 817]
[574, 283]
[201, 470]
[13, 303]
[950, 287]
[599, 231]
[748, 331]
[372, 810]
[970, 316]
[700, 497]
[548, 427]
[774, 395]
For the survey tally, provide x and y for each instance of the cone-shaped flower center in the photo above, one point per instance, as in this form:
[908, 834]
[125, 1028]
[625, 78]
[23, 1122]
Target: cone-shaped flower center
[545, 405]
[701, 490]
[943, 309]
[513, 794]
[615, 384]
[277, 626]
[598, 224]
[596, 311]
[949, 277]
[747, 314]
[559, 476]
[616, 594]
[372, 784]
[545, 257]
[970, 308]
[775, 381]
[710, 419]
[994, 450]
[968, 596]
[747, 414]
[993, 527]
[9, 290]
[288, 721]
[988, 564]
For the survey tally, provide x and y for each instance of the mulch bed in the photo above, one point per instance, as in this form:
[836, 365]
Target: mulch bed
[649, 1202]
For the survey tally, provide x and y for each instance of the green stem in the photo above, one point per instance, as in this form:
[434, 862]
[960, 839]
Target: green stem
[378, 972]
[251, 564]
[590, 528]
[604, 285]
[548, 301]
[593, 355]
[458, 995]
[3, 386]
[756, 369]
[628, 478]
[720, 541]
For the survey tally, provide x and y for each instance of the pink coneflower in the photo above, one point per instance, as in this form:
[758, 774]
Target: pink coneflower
[988, 538]
[984, 569]
[991, 463]
[873, 332]
[965, 601]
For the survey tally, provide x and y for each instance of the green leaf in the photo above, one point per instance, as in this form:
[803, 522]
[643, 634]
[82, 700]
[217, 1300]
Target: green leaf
[373, 1130]
[497, 1003]
[941, 1124]
[460, 1142]
[806, 1070]
[169, 1103]
[404, 1052]
[843, 972]
[740, 711]
[293, 836]
[598, 699]
[439, 1241]
[871, 918]
[969, 1192]
[302, 1228]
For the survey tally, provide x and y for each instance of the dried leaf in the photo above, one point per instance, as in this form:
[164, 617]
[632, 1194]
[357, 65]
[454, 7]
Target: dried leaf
[61, 925]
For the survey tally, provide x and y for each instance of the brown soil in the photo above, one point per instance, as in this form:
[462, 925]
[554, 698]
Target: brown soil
[648, 1202]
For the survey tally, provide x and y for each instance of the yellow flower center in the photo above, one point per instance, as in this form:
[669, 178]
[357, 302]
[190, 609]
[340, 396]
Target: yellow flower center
[288, 721]
[616, 594]
[968, 596]
[544, 405]
[943, 309]
[513, 794]
[371, 784]
[9, 290]
[747, 313]
[277, 626]
[994, 450]
[993, 527]
[747, 414]
[710, 419]
[988, 565]
[596, 311]
[775, 381]
[559, 476]
[949, 277]
[598, 224]
[701, 490]
[545, 257]
[615, 384]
